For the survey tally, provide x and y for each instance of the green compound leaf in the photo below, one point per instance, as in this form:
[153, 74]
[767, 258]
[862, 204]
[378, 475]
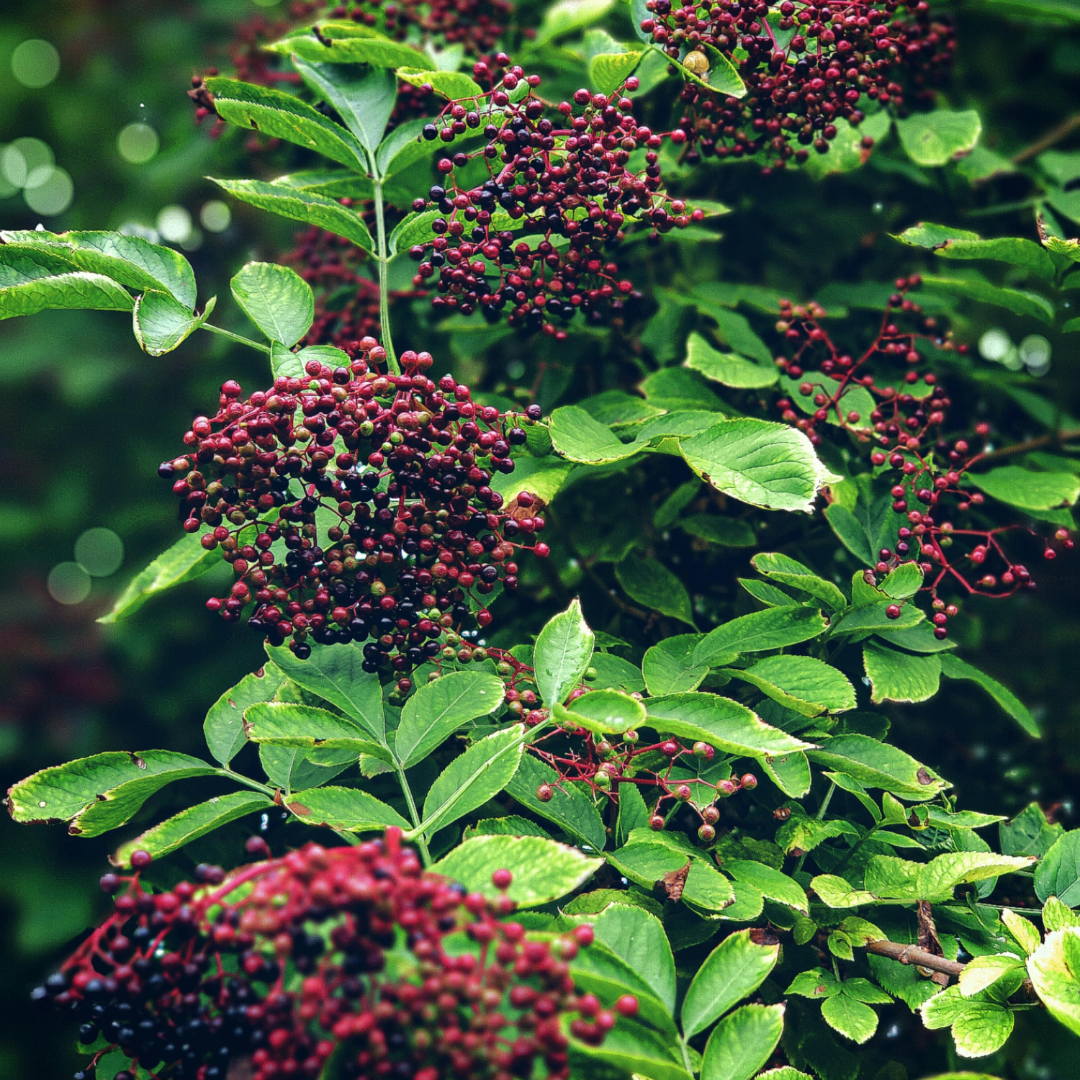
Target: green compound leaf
[730, 973]
[278, 115]
[879, 765]
[774, 628]
[935, 138]
[351, 43]
[788, 571]
[645, 860]
[637, 937]
[162, 324]
[33, 280]
[186, 560]
[471, 779]
[758, 462]
[335, 674]
[742, 1042]
[668, 666]
[276, 299]
[542, 870]
[652, 584]
[283, 723]
[971, 288]
[578, 437]
[223, 727]
[190, 824]
[950, 243]
[129, 260]
[439, 708]
[802, 683]
[714, 529]
[718, 74]
[602, 712]
[562, 653]
[297, 205]
[729, 369]
[899, 676]
[119, 780]
[770, 882]
[569, 807]
[347, 809]
[1027, 489]
[722, 723]
[454, 85]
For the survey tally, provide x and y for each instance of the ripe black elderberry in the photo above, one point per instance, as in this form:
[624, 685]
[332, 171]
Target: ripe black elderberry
[354, 952]
[357, 506]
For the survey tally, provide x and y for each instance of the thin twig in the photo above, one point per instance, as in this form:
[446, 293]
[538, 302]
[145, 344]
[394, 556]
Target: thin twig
[1053, 136]
[912, 954]
[1054, 439]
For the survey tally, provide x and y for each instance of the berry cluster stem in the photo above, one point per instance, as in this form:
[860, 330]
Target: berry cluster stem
[383, 260]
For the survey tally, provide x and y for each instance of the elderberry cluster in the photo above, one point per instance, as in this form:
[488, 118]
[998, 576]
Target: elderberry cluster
[354, 505]
[535, 238]
[929, 469]
[805, 64]
[354, 953]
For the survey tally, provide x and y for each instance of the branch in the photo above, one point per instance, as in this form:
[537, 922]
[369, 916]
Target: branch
[1055, 135]
[1055, 439]
[912, 954]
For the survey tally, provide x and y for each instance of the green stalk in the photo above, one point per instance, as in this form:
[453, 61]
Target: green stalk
[383, 259]
[414, 816]
[236, 337]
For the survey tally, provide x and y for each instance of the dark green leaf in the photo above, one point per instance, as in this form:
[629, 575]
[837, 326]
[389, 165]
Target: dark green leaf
[162, 323]
[730, 973]
[952, 667]
[759, 631]
[334, 673]
[186, 560]
[652, 584]
[114, 785]
[1058, 872]
[877, 764]
[742, 1042]
[802, 683]
[318, 210]
[899, 676]
[284, 116]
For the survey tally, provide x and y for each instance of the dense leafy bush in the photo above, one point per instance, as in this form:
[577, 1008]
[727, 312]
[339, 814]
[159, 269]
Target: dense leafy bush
[600, 578]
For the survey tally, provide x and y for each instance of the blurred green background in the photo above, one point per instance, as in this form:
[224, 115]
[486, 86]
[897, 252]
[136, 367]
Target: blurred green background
[96, 132]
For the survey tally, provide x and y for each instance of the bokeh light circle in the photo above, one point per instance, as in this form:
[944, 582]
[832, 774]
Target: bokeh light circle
[68, 583]
[100, 552]
[35, 63]
[49, 190]
[137, 143]
[215, 216]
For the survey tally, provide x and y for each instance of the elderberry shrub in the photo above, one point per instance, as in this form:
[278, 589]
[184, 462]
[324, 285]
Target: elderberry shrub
[805, 63]
[354, 505]
[945, 527]
[352, 953]
[535, 237]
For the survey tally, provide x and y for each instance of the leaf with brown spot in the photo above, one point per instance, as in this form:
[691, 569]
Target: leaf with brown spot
[672, 884]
